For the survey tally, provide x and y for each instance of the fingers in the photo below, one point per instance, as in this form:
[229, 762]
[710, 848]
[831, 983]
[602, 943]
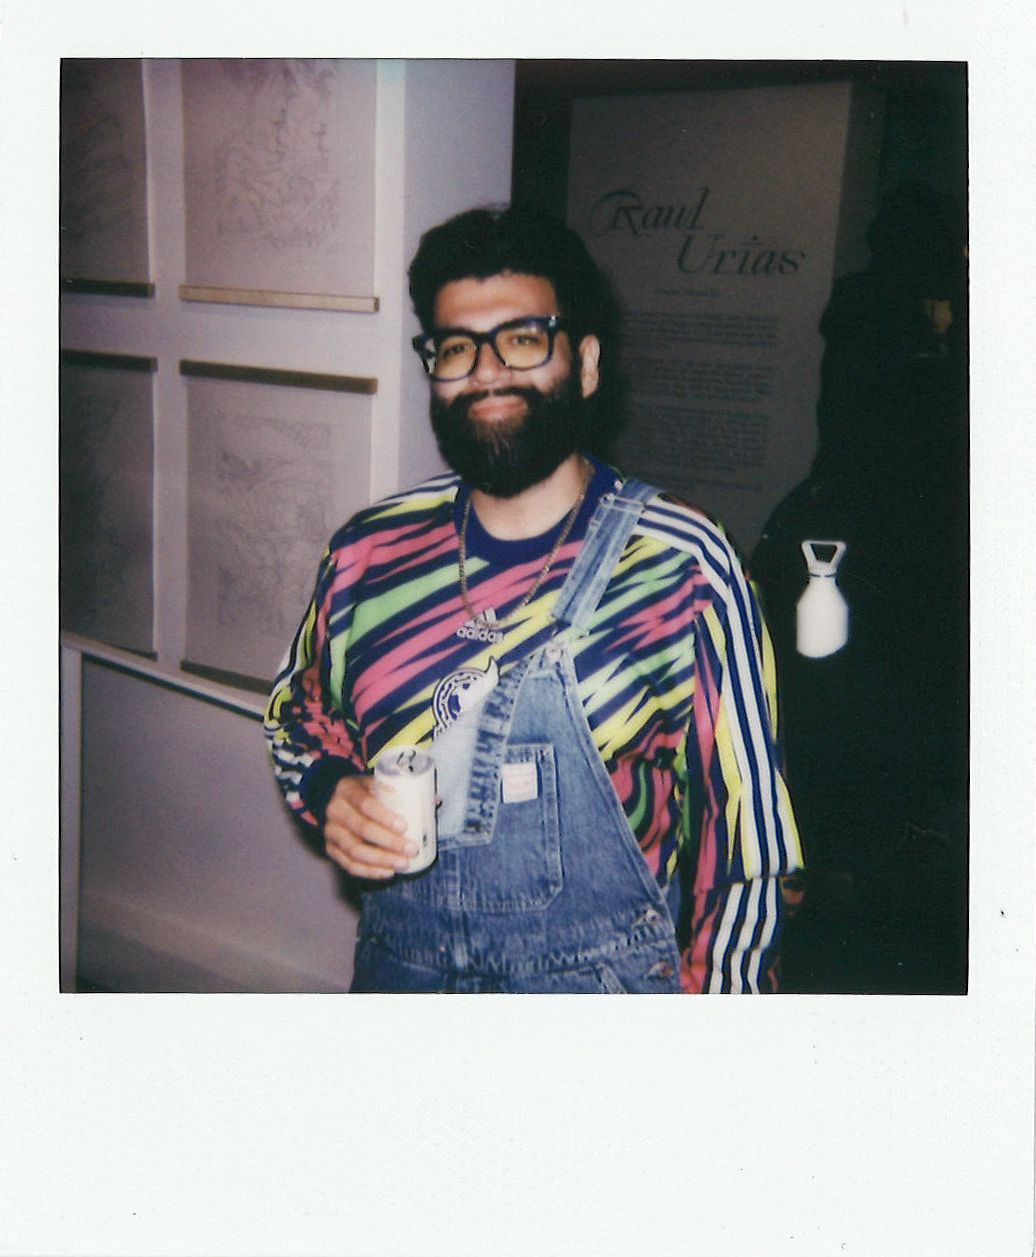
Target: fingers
[363, 834]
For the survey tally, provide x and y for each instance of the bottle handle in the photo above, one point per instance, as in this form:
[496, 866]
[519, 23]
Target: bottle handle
[815, 565]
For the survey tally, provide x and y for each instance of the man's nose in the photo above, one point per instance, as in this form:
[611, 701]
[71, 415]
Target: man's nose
[488, 367]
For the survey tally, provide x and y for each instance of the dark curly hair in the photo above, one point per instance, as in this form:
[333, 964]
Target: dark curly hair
[525, 239]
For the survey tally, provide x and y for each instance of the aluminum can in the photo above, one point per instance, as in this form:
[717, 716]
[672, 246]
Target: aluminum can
[404, 779]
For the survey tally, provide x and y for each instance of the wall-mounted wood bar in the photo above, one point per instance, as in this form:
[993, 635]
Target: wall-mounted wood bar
[290, 300]
[108, 287]
[221, 676]
[286, 378]
[116, 362]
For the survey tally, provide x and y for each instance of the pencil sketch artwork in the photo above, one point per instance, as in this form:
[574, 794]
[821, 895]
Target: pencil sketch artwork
[272, 473]
[280, 174]
[275, 179]
[104, 234]
[106, 505]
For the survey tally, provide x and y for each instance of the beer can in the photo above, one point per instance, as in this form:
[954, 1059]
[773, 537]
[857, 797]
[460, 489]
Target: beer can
[404, 779]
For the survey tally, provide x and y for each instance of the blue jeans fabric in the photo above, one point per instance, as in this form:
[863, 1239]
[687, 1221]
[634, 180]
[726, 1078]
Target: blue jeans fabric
[541, 888]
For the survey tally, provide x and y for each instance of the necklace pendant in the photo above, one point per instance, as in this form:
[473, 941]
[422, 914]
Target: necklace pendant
[480, 628]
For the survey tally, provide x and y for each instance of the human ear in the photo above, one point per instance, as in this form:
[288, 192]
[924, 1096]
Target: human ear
[589, 364]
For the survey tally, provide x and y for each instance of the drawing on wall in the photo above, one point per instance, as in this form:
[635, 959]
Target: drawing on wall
[272, 472]
[279, 171]
[105, 492]
[716, 215]
[104, 230]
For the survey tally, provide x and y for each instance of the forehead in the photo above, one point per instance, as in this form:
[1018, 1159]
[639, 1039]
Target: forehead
[479, 304]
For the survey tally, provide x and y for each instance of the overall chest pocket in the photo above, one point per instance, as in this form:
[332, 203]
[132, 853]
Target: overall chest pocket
[512, 865]
[516, 863]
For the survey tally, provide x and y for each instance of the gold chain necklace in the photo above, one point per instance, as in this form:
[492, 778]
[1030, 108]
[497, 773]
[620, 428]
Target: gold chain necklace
[462, 555]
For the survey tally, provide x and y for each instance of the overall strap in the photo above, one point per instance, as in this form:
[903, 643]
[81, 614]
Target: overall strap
[610, 528]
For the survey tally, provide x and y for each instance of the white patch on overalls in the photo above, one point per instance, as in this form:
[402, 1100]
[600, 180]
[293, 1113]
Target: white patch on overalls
[519, 782]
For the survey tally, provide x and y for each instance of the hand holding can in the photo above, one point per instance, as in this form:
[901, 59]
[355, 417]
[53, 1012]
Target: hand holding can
[404, 778]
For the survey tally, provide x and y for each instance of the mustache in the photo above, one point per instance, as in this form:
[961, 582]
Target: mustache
[466, 400]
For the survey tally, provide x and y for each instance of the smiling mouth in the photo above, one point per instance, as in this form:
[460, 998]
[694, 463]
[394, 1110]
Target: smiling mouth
[498, 407]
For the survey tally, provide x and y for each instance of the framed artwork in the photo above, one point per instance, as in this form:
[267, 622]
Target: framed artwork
[106, 498]
[279, 182]
[103, 217]
[277, 460]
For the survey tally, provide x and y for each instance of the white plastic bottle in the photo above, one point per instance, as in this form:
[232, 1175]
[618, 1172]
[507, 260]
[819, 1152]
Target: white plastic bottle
[822, 614]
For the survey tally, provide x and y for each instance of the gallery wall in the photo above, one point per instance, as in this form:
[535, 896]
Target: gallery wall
[438, 141]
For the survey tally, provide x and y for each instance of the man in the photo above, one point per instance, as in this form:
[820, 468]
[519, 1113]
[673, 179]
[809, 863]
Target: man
[583, 657]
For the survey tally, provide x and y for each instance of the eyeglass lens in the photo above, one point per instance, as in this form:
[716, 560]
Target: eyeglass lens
[519, 347]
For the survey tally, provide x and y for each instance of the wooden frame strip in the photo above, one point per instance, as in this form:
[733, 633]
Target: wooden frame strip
[118, 362]
[269, 375]
[238, 680]
[109, 287]
[291, 300]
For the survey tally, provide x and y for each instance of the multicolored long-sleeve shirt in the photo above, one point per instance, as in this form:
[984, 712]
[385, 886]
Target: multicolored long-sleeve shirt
[676, 677]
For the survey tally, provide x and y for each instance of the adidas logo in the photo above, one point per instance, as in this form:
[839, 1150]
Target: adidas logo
[480, 630]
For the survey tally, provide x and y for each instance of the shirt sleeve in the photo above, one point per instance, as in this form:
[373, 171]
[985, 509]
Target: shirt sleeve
[747, 840]
[736, 935]
[313, 739]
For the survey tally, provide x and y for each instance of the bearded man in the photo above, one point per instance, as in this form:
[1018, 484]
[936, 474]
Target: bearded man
[581, 655]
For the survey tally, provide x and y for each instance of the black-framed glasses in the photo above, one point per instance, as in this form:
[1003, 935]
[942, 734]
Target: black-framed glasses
[519, 344]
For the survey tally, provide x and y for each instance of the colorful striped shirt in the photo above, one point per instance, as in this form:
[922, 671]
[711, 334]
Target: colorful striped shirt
[675, 673]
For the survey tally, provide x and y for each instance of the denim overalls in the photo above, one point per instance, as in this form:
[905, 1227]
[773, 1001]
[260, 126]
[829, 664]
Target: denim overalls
[539, 885]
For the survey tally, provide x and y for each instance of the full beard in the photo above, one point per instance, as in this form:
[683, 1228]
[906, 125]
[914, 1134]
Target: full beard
[505, 457]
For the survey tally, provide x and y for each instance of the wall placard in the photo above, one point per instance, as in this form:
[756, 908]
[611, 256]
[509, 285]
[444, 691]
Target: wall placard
[273, 470]
[279, 181]
[716, 215]
[106, 489]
